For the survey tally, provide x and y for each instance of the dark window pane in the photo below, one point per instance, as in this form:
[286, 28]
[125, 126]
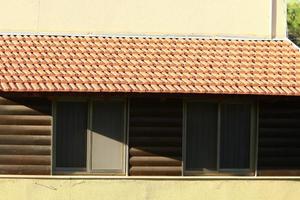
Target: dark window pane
[235, 136]
[108, 135]
[71, 127]
[201, 136]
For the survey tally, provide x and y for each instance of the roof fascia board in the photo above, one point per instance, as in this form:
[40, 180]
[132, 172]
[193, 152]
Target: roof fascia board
[298, 48]
[141, 36]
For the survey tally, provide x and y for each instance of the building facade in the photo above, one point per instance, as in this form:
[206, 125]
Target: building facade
[148, 100]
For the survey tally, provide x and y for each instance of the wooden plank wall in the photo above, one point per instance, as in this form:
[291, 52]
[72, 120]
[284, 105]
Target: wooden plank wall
[155, 137]
[279, 138]
[25, 136]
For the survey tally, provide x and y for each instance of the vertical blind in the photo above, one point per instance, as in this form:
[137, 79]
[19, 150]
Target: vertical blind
[71, 127]
[235, 136]
[202, 136]
[205, 149]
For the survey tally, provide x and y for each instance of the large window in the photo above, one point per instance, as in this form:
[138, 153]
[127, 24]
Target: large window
[90, 137]
[219, 137]
[207, 138]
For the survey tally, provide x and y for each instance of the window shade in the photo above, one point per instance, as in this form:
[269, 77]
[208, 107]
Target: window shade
[71, 129]
[201, 136]
[235, 136]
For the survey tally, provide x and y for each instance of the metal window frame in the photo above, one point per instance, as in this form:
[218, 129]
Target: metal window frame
[88, 170]
[127, 137]
[256, 139]
[252, 136]
[53, 138]
[183, 145]
[63, 170]
[186, 172]
[252, 170]
[121, 171]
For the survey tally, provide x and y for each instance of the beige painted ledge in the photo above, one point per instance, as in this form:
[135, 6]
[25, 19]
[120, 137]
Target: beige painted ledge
[178, 178]
[156, 188]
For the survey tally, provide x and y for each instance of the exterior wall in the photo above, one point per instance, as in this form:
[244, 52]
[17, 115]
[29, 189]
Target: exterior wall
[25, 136]
[155, 137]
[75, 189]
[279, 138]
[248, 18]
[280, 24]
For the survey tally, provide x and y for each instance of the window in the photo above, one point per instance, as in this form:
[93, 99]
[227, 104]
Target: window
[218, 137]
[90, 137]
[107, 136]
[71, 137]
[235, 131]
[202, 136]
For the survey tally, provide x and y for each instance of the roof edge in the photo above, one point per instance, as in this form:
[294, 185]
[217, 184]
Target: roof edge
[162, 36]
[294, 45]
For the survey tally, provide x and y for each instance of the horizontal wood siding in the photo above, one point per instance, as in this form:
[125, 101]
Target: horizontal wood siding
[25, 136]
[279, 138]
[155, 137]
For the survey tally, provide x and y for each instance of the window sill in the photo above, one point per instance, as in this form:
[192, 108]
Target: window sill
[82, 173]
[165, 178]
[221, 174]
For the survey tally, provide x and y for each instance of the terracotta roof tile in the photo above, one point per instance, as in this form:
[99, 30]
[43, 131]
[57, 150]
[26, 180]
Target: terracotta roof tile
[156, 65]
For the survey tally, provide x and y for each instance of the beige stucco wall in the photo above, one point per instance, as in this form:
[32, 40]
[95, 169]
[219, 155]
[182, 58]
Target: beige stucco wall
[238, 18]
[88, 189]
[280, 28]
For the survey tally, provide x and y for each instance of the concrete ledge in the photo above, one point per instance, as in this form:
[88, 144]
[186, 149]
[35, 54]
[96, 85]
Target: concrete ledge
[178, 178]
[88, 188]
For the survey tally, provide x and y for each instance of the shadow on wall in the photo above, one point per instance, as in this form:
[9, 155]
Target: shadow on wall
[25, 136]
[155, 136]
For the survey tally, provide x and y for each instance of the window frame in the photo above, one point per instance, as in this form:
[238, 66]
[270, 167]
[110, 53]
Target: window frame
[89, 140]
[252, 170]
[88, 169]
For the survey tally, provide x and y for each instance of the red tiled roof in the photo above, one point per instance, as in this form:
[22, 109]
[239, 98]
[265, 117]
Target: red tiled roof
[155, 65]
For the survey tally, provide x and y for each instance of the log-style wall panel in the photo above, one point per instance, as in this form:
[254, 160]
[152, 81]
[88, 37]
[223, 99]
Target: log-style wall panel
[155, 137]
[25, 140]
[25, 130]
[24, 160]
[25, 150]
[279, 138]
[155, 170]
[25, 169]
[25, 136]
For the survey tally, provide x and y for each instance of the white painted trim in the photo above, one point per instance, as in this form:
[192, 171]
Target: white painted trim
[271, 18]
[286, 18]
[294, 45]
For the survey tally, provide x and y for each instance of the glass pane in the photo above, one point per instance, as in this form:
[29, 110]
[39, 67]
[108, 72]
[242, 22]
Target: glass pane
[201, 136]
[108, 136]
[235, 136]
[71, 127]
